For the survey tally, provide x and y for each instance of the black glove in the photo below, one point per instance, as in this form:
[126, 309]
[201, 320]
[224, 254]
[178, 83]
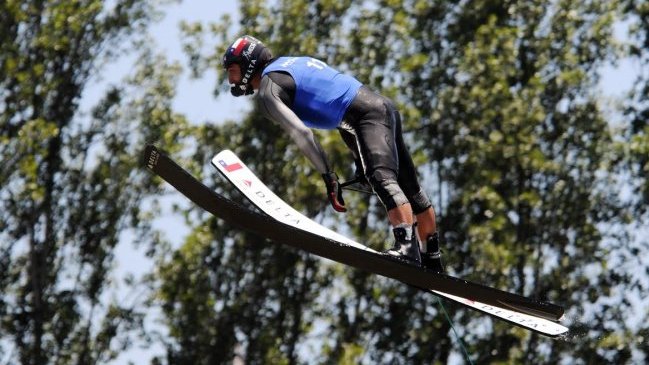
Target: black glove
[334, 192]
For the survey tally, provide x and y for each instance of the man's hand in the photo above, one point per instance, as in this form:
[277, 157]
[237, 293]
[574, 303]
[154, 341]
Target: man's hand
[334, 192]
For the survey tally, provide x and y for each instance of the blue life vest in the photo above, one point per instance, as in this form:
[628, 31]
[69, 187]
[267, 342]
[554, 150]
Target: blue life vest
[322, 94]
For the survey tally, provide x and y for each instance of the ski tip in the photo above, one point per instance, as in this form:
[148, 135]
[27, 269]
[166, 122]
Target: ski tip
[151, 156]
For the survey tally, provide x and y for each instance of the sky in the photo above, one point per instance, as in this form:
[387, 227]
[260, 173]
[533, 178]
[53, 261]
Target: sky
[195, 99]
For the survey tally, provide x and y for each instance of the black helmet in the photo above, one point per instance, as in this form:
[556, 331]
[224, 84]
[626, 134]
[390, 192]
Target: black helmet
[251, 54]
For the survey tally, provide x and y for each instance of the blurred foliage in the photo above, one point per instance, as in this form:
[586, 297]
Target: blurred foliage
[71, 184]
[537, 190]
[501, 111]
[636, 143]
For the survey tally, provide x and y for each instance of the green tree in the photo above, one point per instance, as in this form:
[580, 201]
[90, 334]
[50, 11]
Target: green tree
[637, 107]
[71, 184]
[526, 160]
[501, 113]
[635, 147]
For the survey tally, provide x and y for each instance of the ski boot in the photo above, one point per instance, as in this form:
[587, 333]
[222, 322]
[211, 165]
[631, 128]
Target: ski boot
[432, 258]
[405, 244]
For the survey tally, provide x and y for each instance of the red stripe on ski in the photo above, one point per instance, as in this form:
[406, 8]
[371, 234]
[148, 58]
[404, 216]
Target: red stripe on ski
[230, 167]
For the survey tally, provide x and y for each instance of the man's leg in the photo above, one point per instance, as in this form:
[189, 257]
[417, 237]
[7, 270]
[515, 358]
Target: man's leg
[421, 205]
[375, 133]
[406, 244]
[372, 119]
[401, 215]
[426, 226]
[408, 181]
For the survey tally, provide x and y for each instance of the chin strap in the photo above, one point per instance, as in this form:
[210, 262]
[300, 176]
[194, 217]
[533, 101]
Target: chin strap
[241, 89]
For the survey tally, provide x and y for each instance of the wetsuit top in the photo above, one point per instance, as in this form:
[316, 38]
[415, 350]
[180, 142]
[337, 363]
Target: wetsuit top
[301, 93]
[322, 94]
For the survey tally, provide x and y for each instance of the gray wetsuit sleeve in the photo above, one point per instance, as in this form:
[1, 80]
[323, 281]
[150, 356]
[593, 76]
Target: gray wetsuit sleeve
[274, 109]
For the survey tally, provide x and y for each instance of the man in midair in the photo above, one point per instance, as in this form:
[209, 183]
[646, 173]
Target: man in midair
[300, 93]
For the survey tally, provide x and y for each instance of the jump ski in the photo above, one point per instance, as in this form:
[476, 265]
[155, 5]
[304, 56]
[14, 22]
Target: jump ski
[282, 223]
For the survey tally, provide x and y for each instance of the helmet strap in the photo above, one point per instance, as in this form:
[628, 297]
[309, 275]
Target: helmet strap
[245, 86]
[241, 89]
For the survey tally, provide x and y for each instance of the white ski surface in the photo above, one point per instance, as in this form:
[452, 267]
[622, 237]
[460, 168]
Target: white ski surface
[260, 195]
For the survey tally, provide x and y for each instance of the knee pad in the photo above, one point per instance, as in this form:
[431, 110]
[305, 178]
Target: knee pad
[420, 202]
[387, 188]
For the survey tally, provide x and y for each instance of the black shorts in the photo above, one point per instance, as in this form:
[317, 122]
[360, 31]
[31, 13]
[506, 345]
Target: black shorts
[386, 161]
